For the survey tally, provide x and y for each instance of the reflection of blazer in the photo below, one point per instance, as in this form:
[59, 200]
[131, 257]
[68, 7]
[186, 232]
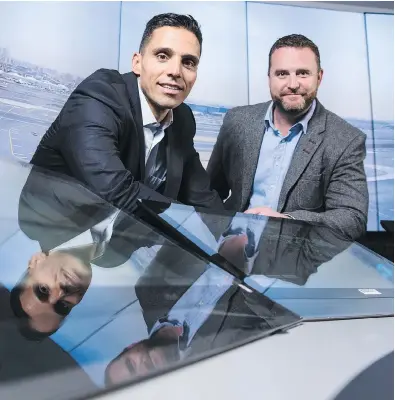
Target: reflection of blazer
[98, 139]
[288, 250]
[292, 251]
[325, 182]
[55, 209]
[233, 318]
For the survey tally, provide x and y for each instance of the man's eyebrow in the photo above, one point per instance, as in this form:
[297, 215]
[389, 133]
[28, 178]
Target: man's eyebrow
[277, 71]
[166, 50]
[302, 70]
[299, 70]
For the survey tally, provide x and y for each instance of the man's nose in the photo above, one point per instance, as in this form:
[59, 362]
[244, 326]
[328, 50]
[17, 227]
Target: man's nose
[55, 295]
[293, 82]
[174, 67]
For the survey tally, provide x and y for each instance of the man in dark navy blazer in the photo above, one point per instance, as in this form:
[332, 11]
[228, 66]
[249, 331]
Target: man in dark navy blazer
[130, 136]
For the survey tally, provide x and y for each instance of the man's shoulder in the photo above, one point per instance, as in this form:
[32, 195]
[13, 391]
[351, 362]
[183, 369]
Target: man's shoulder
[184, 122]
[246, 111]
[338, 126]
[104, 82]
[183, 114]
[107, 87]
[184, 110]
[104, 75]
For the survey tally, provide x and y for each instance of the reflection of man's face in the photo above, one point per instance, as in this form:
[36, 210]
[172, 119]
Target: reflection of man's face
[144, 357]
[54, 284]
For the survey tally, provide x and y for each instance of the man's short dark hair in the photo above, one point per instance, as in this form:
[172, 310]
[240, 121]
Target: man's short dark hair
[174, 20]
[298, 41]
[23, 318]
[168, 346]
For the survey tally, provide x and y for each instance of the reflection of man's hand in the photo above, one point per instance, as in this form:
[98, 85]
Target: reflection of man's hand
[233, 248]
[267, 211]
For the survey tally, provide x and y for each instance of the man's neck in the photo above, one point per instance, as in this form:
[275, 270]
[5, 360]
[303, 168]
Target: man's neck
[159, 114]
[284, 121]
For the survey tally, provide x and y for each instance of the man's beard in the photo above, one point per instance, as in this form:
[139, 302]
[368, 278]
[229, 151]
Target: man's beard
[297, 109]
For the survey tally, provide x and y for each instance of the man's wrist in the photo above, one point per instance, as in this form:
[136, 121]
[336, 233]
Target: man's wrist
[289, 216]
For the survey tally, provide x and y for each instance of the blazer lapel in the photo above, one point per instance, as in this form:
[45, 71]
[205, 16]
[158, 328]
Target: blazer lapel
[174, 161]
[307, 146]
[132, 86]
[253, 136]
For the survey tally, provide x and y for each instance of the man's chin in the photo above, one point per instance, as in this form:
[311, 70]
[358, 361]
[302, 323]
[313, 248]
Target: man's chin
[294, 109]
[168, 102]
[169, 105]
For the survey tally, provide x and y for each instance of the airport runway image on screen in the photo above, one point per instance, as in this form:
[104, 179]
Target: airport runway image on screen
[31, 98]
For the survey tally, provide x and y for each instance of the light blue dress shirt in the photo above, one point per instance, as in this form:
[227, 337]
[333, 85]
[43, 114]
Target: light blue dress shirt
[274, 159]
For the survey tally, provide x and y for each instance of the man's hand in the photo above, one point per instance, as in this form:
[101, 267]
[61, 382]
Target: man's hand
[267, 211]
[232, 249]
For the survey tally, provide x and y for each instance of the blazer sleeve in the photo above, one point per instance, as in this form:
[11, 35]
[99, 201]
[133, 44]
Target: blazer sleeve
[195, 187]
[215, 168]
[295, 251]
[347, 196]
[53, 209]
[89, 129]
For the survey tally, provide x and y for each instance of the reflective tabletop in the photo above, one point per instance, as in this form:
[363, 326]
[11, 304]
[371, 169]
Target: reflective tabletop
[99, 299]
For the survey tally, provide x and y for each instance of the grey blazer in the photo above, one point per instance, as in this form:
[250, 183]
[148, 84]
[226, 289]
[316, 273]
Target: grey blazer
[325, 183]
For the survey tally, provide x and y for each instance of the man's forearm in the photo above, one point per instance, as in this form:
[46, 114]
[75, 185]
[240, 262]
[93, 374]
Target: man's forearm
[349, 223]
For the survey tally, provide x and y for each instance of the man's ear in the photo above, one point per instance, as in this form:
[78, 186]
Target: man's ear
[36, 260]
[320, 76]
[136, 63]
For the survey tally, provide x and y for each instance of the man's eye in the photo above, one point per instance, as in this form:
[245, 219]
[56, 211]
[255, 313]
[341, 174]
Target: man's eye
[41, 291]
[44, 289]
[189, 64]
[162, 57]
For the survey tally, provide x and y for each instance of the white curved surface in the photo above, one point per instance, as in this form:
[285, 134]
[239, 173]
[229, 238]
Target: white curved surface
[313, 361]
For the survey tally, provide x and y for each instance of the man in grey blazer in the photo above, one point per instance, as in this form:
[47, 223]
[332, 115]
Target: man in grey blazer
[291, 157]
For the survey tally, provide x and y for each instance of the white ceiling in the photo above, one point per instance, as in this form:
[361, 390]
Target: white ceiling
[386, 7]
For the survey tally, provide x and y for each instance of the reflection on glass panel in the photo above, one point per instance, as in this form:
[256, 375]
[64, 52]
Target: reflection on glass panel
[78, 311]
[311, 269]
[345, 86]
[380, 37]
[222, 75]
